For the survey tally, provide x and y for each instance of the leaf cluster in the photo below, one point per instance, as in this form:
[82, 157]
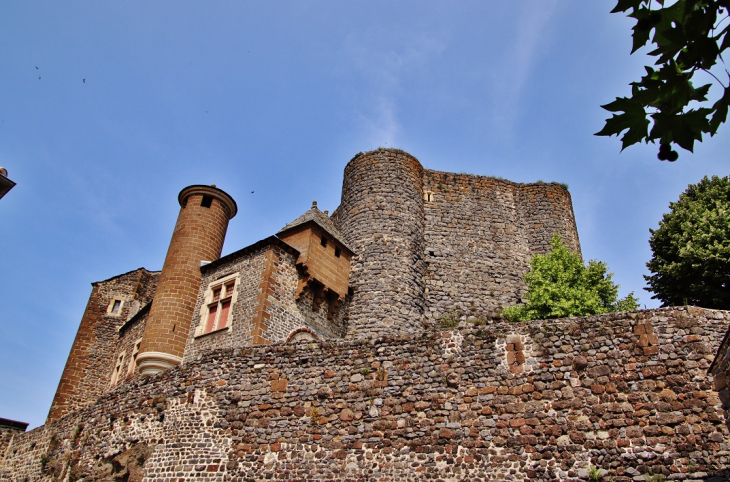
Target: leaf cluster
[691, 248]
[688, 36]
[560, 285]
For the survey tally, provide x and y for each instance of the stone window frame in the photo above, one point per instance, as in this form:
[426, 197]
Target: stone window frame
[117, 372]
[133, 359]
[110, 309]
[209, 302]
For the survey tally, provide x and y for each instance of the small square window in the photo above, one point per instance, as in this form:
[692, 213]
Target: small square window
[115, 307]
[323, 242]
[206, 201]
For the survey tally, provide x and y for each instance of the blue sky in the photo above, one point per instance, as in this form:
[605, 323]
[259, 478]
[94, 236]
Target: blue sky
[275, 98]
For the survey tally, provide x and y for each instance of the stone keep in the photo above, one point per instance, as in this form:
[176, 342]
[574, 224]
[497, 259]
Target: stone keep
[406, 247]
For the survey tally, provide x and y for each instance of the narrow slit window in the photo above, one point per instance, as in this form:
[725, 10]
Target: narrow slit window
[133, 360]
[206, 201]
[117, 370]
[337, 252]
[323, 242]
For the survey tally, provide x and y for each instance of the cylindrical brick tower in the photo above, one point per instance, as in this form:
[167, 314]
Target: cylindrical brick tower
[381, 215]
[198, 236]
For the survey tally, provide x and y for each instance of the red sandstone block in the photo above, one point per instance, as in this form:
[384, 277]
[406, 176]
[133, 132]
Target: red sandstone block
[651, 350]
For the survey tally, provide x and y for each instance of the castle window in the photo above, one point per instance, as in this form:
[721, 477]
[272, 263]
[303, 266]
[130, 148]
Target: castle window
[117, 370]
[323, 242]
[115, 307]
[133, 360]
[216, 310]
[337, 252]
[206, 201]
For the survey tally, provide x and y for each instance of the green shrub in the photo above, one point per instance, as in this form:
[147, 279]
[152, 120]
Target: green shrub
[560, 285]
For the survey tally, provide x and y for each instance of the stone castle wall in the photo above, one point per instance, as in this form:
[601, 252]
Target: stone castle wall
[266, 303]
[624, 392]
[430, 244]
[480, 235]
[93, 355]
[8, 430]
[381, 217]
[720, 370]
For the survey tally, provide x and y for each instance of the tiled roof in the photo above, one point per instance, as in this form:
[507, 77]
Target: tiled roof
[319, 218]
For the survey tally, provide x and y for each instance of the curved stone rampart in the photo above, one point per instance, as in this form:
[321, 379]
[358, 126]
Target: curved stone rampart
[626, 393]
[546, 209]
[381, 217]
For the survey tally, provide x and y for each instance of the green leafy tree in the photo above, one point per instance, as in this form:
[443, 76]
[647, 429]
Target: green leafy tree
[687, 37]
[560, 285]
[691, 262]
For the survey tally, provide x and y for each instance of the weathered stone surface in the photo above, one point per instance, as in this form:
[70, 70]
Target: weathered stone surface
[414, 427]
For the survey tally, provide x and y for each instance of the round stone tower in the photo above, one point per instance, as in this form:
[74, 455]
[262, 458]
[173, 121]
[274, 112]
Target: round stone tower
[382, 217]
[198, 236]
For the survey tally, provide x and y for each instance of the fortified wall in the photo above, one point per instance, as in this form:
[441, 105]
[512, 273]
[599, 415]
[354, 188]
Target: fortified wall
[627, 393]
[430, 242]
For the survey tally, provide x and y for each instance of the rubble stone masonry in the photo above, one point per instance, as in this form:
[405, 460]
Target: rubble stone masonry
[627, 393]
[480, 235]
[381, 217]
[431, 244]
[91, 361]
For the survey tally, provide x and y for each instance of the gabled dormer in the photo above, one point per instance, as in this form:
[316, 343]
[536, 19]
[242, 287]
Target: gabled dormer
[324, 260]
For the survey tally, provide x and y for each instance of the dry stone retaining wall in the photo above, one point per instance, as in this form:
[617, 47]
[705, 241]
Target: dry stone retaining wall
[626, 392]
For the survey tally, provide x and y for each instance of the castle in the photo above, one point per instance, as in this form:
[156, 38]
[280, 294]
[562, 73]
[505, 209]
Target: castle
[321, 352]
[406, 244]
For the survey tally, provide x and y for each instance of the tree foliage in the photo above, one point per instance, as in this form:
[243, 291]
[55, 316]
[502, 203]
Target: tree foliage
[560, 285]
[687, 36]
[691, 262]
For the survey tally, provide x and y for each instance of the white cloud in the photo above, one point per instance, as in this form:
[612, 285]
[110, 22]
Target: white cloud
[518, 62]
[384, 60]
